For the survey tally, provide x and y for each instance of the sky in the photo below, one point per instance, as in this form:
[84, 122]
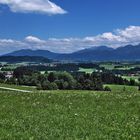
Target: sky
[68, 25]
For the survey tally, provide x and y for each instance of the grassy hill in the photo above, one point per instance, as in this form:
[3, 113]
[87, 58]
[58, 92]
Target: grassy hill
[80, 115]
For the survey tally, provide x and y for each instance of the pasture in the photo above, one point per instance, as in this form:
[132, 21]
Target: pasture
[70, 115]
[136, 78]
[87, 70]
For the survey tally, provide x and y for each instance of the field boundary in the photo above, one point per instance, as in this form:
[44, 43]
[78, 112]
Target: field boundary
[13, 89]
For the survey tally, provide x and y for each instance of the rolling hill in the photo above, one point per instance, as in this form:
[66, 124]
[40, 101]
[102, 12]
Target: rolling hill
[19, 59]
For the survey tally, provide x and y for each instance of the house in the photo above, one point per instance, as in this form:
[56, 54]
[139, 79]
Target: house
[9, 74]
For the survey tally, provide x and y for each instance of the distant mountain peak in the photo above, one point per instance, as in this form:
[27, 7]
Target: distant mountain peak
[29, 52]
[101, 53]
[95, 48]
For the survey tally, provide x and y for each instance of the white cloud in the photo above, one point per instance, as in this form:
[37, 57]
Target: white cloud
[32, 39]
[118, 38]
[30, 6]
[131, 34]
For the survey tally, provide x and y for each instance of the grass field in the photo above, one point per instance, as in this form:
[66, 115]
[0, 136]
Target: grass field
[70, 115]
[112, 67]
[131, 77]
[11, 67]
[87, 70]
[108, 66]
[123, 88]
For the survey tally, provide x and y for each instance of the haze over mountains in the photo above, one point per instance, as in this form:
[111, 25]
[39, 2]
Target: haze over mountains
[100, 53]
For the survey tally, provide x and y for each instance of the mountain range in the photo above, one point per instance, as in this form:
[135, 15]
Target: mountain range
[100, 53]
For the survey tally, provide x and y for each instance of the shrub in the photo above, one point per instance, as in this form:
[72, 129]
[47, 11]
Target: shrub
[39, 87]
[46, 85]
[107, 88]
[2, 76]
[132, 82]
[52, 77]
[139, 87]
[54, 86]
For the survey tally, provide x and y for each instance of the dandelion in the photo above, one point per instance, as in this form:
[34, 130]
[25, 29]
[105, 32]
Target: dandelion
[76, 114]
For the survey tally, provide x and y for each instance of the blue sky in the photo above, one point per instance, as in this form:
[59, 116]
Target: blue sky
[69, 23]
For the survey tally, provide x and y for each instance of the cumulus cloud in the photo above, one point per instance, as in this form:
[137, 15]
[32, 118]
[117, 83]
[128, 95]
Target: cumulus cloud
[30, 6]
[32, 39]
[118, 38]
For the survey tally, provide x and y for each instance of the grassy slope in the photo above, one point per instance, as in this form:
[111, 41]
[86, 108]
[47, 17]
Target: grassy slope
[87, 70]
[122, 88]
[112, 66]
[70, 115]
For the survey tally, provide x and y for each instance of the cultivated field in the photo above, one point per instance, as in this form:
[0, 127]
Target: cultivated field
[70, 115]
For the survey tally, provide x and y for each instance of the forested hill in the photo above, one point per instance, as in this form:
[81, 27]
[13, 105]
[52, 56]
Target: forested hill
[17, 59]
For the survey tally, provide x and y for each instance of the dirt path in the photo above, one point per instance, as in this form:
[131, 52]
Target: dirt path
[12, 89]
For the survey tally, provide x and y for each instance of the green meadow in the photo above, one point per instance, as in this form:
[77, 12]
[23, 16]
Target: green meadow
[70, 115]
[136, 78]
[87, 70]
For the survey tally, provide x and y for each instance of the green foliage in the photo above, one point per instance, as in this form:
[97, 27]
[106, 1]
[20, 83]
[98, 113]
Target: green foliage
[54, 86]
[2, 76]
[110, 78]
[107, 88]
[46, 85]
[132, 82]
[89, 82]
[21, 71]
[65, 80]
[38, 87]
[52, 77]
[11, 81]
[69, 81]
[139, 87]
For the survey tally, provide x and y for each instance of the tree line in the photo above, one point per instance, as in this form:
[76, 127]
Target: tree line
[64, 80]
